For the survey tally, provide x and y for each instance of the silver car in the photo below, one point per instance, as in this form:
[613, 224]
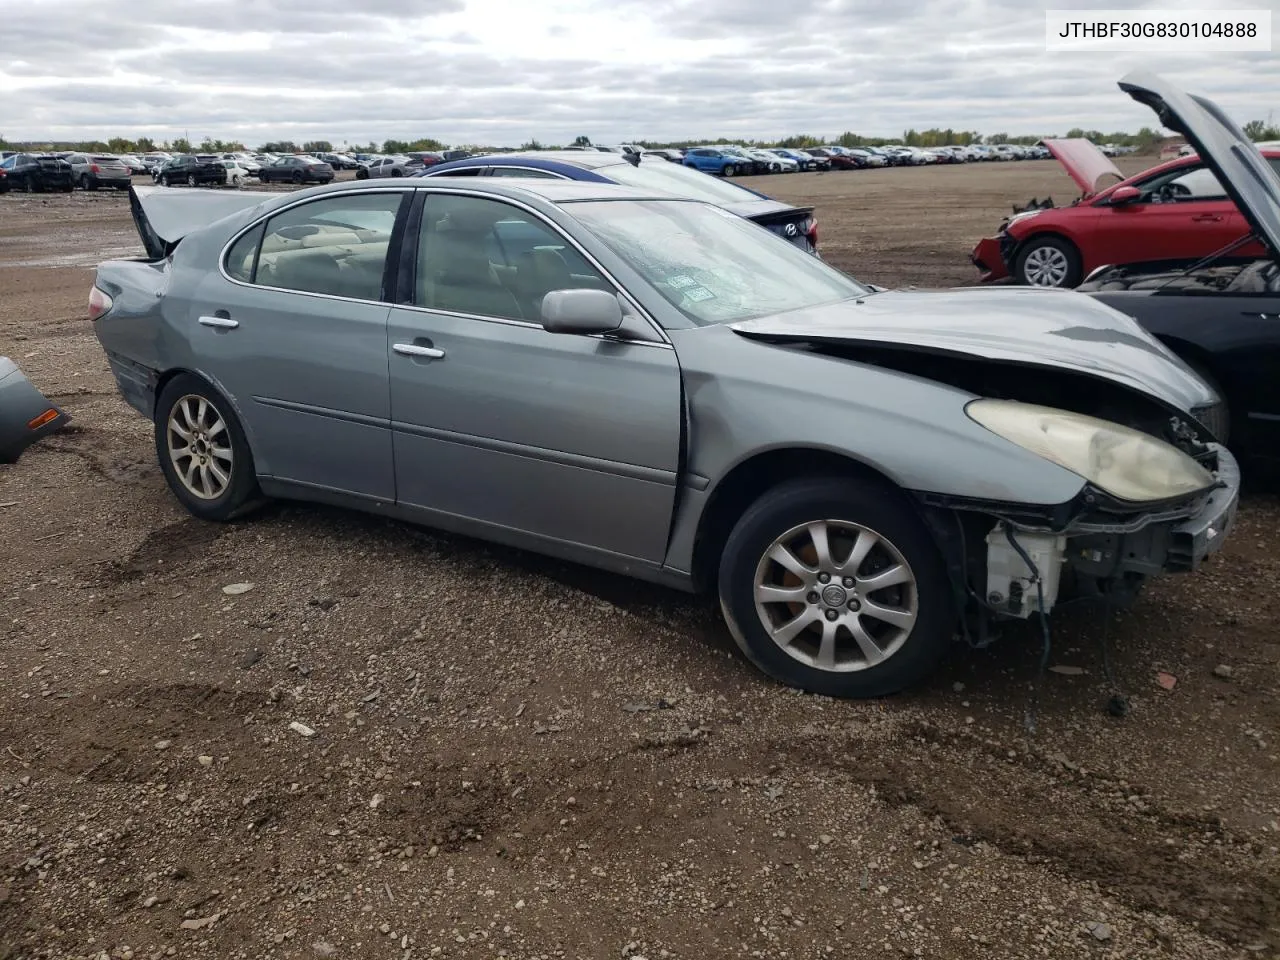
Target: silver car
[657, 387]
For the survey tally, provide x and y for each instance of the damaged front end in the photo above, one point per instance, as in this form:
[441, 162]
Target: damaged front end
[1164, 502]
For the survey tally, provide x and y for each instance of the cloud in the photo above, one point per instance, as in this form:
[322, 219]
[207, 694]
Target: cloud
[494, 72]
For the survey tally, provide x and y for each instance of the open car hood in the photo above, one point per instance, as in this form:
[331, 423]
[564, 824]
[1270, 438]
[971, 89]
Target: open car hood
[1057, 329]
[164, 215]
[1085, 163]
[1222, 145]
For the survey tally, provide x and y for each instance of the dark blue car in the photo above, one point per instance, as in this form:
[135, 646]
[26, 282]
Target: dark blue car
[796, 224]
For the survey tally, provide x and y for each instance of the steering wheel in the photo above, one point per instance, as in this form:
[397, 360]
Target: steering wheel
[1172, 191]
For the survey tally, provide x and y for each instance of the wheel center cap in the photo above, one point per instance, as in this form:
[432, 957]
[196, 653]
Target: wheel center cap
[833, 595]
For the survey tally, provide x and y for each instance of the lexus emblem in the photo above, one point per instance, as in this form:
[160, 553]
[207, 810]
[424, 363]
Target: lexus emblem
[791, 230]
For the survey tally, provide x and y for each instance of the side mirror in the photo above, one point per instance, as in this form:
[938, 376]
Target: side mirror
[582, 311]
[1124, 195]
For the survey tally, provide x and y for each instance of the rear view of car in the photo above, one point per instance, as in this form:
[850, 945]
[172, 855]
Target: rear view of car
[101, 170]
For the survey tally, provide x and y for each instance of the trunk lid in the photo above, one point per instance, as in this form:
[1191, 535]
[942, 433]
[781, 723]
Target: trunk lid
[164, 215]
[790, 223]
[1242, 170]
[1026, 326]
[1084, 163]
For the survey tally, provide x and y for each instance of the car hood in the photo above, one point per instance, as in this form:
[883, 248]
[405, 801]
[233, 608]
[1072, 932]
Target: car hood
[164, 215]
[1057, 329]
[1084, 162]
[1222, 145]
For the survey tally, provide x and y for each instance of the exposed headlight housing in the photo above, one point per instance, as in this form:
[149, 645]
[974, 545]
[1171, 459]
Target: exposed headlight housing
[1126, 463]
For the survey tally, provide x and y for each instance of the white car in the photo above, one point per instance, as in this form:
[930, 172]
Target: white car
[777, 163]
[237, 173]
[245, 160]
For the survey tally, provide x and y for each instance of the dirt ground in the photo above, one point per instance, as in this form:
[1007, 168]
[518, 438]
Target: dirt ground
[519, 758]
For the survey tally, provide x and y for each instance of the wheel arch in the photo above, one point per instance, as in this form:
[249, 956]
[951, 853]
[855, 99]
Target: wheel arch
[749, 479]
[164, 378]
[1207, 365]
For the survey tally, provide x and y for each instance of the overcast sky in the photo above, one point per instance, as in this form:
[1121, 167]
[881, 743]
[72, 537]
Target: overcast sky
[502, 71]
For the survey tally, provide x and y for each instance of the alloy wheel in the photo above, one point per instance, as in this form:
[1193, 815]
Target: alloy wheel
[836, 596]
[199, 447]
[1045, 267]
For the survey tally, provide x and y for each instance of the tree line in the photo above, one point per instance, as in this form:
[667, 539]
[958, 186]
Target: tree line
[1144, 140]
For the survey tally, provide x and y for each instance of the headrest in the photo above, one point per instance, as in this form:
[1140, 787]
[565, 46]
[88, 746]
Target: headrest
[468, 215]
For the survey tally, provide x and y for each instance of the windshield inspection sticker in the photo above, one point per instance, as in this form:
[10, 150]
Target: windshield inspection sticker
[698, 293]
[680, 281]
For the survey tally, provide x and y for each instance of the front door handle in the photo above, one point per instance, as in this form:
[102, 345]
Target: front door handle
[221, 323]
[414, 350]
[1206, 218]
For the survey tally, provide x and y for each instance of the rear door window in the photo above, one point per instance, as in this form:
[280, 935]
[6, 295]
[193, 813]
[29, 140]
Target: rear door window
[337, 246]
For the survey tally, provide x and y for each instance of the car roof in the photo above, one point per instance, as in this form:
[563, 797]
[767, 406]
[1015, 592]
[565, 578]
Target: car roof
[546, 159]
[515, 188]
[554, 191]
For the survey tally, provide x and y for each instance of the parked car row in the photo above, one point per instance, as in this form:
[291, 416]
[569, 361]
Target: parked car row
[730, 160]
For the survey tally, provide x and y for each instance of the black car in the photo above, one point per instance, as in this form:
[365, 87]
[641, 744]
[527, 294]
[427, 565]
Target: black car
[296, 170]
[34, 173]
[1220, 314]
[190, 171]
[338, 162]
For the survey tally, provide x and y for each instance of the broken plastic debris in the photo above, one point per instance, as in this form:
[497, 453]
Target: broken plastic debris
[301, 728]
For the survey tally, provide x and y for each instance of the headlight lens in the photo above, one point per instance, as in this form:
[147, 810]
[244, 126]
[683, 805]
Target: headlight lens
[1126, 463]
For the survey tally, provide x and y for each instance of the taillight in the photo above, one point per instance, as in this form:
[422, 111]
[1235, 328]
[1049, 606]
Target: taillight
[812, 232]
[99, 303]
[93, 168]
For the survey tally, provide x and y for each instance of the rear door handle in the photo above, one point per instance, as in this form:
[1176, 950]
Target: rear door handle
[222, 323]
[1206, 218]
[413, 350]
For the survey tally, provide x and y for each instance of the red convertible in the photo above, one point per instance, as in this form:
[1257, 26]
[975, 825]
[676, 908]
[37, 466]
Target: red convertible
[1174, 211]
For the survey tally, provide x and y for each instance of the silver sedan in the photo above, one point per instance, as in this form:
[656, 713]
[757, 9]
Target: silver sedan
[658, 387]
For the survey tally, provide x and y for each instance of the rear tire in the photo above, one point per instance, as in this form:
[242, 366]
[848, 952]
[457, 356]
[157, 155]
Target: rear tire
[210, 469]
[84, 182]
[297, 178]
[857, 638]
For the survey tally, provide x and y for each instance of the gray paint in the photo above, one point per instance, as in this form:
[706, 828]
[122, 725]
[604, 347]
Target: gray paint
[20, 403]
[594, 449]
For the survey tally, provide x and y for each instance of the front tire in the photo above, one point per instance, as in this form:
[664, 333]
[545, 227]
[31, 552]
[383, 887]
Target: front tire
[836, 587]
[191, 179]
[1048, 261]
[203, 452]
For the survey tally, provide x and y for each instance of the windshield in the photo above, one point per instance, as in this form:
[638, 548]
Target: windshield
[681, 181]
[711, 265]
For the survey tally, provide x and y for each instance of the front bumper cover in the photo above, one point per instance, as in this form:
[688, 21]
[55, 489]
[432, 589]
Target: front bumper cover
[22, 405]
[992, 256]
[1171, 547]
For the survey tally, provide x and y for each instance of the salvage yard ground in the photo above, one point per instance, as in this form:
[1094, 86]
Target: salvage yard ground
[516, 758]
